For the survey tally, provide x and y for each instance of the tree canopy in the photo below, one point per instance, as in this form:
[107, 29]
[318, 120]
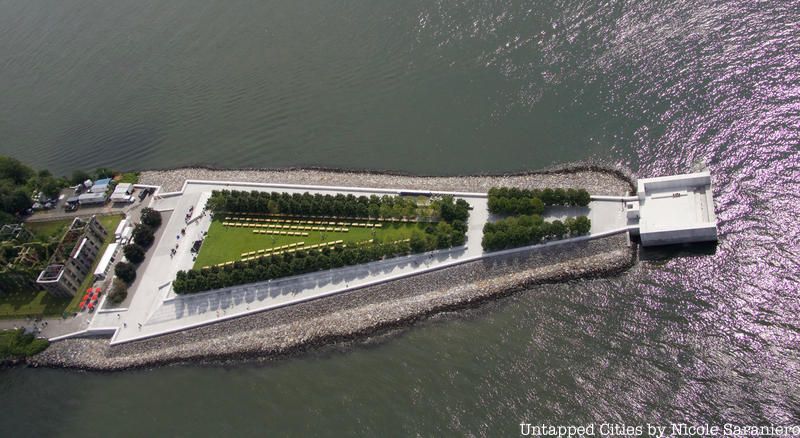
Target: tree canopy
[150, 217]
[134, 253]
[126, 272]
[143, 235]
[512, 200]
[524, 230]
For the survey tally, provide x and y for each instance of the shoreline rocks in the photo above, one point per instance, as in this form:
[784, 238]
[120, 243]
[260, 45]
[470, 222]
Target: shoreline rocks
[596, 179]
[371, 311]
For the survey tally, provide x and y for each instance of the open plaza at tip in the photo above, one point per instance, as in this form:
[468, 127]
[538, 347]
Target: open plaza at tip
[666, 210]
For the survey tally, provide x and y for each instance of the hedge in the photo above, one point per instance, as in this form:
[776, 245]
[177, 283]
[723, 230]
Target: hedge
[519, 231]
[512, 200]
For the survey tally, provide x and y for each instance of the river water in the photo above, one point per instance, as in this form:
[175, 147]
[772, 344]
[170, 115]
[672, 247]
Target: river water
[443, 87]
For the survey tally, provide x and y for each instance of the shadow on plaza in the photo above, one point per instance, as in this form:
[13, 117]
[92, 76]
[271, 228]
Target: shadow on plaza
[285, 289]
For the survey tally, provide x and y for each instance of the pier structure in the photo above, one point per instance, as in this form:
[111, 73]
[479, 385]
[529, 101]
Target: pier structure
[673, 209]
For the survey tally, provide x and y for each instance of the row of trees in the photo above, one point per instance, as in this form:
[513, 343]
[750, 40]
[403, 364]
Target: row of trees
[512, 200]
[450, 209]
[312, 204]
[284, 265]
[519, 231]
[143, 237]
[435, 236]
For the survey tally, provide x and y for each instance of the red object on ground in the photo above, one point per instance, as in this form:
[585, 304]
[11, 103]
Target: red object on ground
[86, 297]
[82, 305]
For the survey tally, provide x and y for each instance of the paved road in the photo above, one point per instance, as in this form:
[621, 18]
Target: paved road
[85, 211]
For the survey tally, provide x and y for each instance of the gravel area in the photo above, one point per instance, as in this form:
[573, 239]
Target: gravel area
[597, 179]
[369, 311]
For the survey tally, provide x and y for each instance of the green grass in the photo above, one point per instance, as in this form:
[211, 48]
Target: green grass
[110, 223]
[45, 231]
[15, 305]
[224, 244]
[129, 177]
[16, 344]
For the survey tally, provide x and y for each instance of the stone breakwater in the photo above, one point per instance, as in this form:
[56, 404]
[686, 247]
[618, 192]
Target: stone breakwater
[351, 315]
[598, 180]
[368, 311]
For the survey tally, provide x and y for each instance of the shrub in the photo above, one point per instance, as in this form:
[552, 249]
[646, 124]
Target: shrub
[130, 177]
[151, 218]
[17, 344]
[451, 210]
[143, 235]
[126, 272]
[514, 201]
[78, 177]
[119, 291]
[582, 225]
[134, 253]
[103, 172]
[519, 231]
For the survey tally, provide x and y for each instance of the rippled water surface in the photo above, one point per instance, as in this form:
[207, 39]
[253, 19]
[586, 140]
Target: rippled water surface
[445, 87]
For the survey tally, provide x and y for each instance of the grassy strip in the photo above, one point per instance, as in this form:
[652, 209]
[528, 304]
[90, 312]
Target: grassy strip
[129, 177]
[45, 231]
[224, 244]
[15, 344]
[14, 305]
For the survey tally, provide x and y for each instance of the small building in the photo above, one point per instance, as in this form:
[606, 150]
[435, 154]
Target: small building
[100, 186]
[92, 198]
[674, 209]
[106, 260]
[122, 193]
[126, 188]
[73, 257]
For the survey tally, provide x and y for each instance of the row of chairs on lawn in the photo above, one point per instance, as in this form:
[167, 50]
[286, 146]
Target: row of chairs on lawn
[282, 221]
[259, 217]
[276, 251]
[282, 233]
[341, 226]
[298, 227]
[293, 247]
[270, 250]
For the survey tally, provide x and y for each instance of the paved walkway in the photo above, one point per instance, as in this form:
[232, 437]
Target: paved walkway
[155, 310]
[54, 326]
